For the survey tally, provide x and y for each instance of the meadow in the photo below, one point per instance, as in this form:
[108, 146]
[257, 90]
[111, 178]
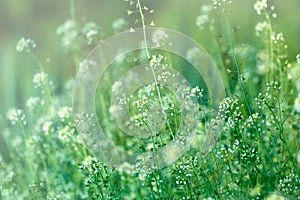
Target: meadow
[147, 99]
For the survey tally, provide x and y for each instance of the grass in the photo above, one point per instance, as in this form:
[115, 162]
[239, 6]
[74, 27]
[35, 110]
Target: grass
[253, 152]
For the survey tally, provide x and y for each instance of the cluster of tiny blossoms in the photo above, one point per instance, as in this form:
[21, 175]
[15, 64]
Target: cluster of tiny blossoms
[119, 25]
[68, 32]
[16, 116]
[298, 58]
[40, 79]
[90, 31]
[25, 45]
[65, 113]
[47, 127]
[184, 169]
[260, 6]
[229, 110]
[290, 184]
[204, 18]
[261, 28]
[220, 2]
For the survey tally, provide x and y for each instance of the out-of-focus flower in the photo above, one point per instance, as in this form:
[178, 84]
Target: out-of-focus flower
[259, 6]
[25, 45]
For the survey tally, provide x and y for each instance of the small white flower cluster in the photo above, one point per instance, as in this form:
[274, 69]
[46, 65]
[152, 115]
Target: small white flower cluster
[69, 33]
[159, 38]
[40, 79]
[65, 113]
[87, 162]
[16, 115]
[143, 105]
[32, 102]
[156, 60]
[272, 88]
[260, 5]
[249, 155]
[185, 168]
[201, 21]
[164, 76]
[189, 93]
[223, 152]
[87, 64]
[119, 25]
[229, 110]
[25, 45]
[220, 2]
[290, 184]
[261, 28]
[277, 37]
[66, 133]
[298, 58]
[90, 30]
[47, 127]
[255, 120]
[263, 63]
[204, 19]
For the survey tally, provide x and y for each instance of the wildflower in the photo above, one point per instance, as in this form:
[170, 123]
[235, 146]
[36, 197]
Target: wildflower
[156, 60]
[65, 133]
[25, 45]
[201, 21]
[46, 127]
[88, 161]
[159, 36]
[298, 58]
[40, 79]
[259, 6]
[263, 63]
[16, 115]
[90, 30]
[261, 28]
[65, 113]
[31, 102]
[119, 25]
[68, 32]
[220, 2]
[290, 184]
[276, 37]
[206, 9]
[297, 104]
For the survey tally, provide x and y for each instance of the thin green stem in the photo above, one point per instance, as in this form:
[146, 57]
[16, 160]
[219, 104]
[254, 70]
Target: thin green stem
[151, 67]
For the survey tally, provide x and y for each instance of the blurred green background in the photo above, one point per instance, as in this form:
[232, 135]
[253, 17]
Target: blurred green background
[39, 20]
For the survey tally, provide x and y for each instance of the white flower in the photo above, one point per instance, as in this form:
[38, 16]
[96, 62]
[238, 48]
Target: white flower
[220, 2]
[260, 5]
[201, 21]
[65, 113]
[298, 58]
[263, 63]
[31, 102]
[297, 104]
[90, 30]
[261, 28]
[16, 115]
[119, 25]
[40, 79]
[159, 37]
[46, 127]
[65, 133]
[68, 32]
[25, 45]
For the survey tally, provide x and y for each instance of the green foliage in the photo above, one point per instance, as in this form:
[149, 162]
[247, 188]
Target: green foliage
[257, 155]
